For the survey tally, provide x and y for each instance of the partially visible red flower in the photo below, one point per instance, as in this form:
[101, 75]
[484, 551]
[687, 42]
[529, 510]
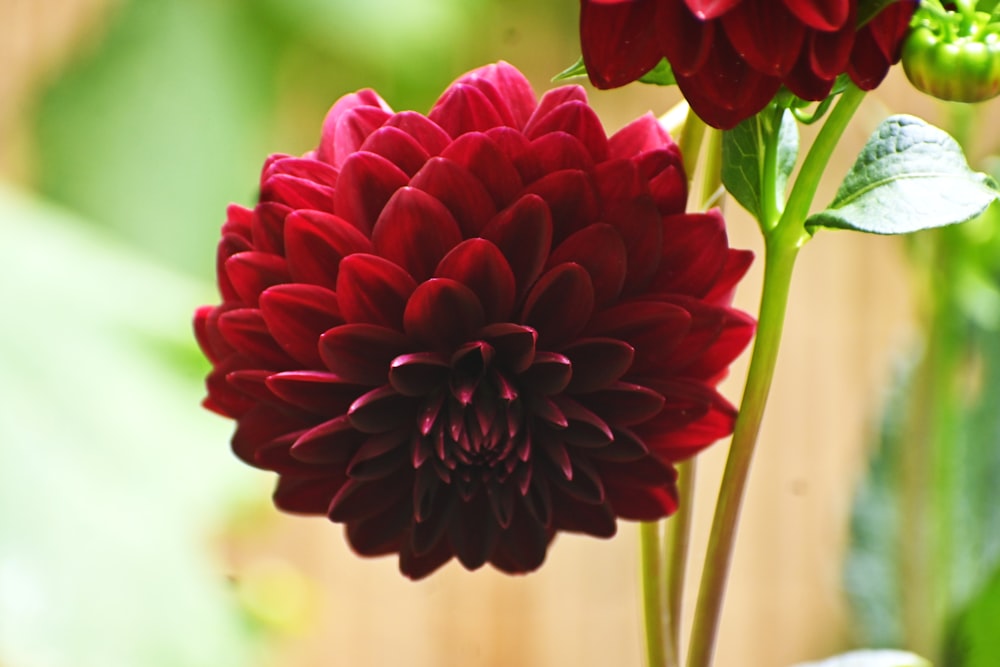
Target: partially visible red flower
[730, 57]
[461, 333]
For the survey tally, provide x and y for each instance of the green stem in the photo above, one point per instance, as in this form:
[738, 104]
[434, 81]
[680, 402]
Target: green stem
[778, 264]
[660, 650]
[781, 243]
[678, 545]
[692, 135]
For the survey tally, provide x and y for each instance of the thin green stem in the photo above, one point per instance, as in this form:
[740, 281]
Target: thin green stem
[782, 243]
[678, 545]
[660, 650]
[814, 166]
[778, 265]
[692, 135]
[711, 175]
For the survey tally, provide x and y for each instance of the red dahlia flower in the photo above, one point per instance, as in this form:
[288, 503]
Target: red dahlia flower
[730, 56]
[463, 332]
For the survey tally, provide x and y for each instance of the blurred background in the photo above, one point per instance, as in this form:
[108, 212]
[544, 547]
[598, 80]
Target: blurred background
[130, 536]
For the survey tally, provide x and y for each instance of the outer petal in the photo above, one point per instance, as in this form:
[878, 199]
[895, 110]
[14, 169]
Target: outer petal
[606, 26]
[374, 290]
[479, 265]
[415, 231]
[443, 313]
[560, 304]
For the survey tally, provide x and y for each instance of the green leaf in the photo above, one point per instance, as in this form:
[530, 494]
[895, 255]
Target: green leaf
[870, 9]
[745, 166]
[974, 641]
[885, 658]
[573, 71]
[111, 477]
[909, 176]
[661, 75]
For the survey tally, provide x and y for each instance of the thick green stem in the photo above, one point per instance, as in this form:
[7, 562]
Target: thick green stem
[782, 243]
[661, 651]
[779, 262]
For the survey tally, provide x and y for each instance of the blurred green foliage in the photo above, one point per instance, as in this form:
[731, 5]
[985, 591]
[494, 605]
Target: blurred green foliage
[171, 116]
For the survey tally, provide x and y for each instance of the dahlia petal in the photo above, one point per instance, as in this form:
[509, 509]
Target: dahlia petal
[306, 495]
[519, 151]
[624, 403]
[521, 548]
[239, 221]
[571, 201]
[361, 353]
[229, 245]
[415, 231]
[502, 500]
[627, 446]
[716, 337]
[549, 374]
[695, 417]
[432, 506]
[315, 242]
[366, 183]
[331, 442]
[304, 168]
[736, 266]
[615, 180]
[825, 15]
[552, 99]
[669, 189]
[252, 382]
[695, 252]
[380, 455]
[514, 345]
[222, 397]
[207, 335]
[469, 203]
[643, 134]
[472, 538]
[418, 373]
[583, 485]
[417, 567]
[296, 315]
[597, 363]
[261, 427]
[640, 323]
[639, 224]
[751, 28]
[480, 266]
[523, 233]
[725, 91]
[373, 290]
[641, 490]
[463, 109]
[560, 304]
[556, 453]
[584, 429]
[537, 499]
[381, 410]
[600, 250]
[507, 89]
[683, 38]
[315, 391]
[252, 272]
[425, 131]
[358, 499]
[267, 224]
[327, 150]
[382, 533]
[296, 192]
[481, 156]
[350, 131]
[555, 151]
[707, 10]
[245, 330]
[573, 516]
[879, 44]
[604, 28]
[579, 120]
[397, 147]
[442, 313]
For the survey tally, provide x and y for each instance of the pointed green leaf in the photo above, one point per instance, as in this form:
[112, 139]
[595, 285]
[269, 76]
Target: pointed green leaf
[573, 71]
[885, 658]
[745, 165]
[974, 641]
[661, 75]
[909, 176]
